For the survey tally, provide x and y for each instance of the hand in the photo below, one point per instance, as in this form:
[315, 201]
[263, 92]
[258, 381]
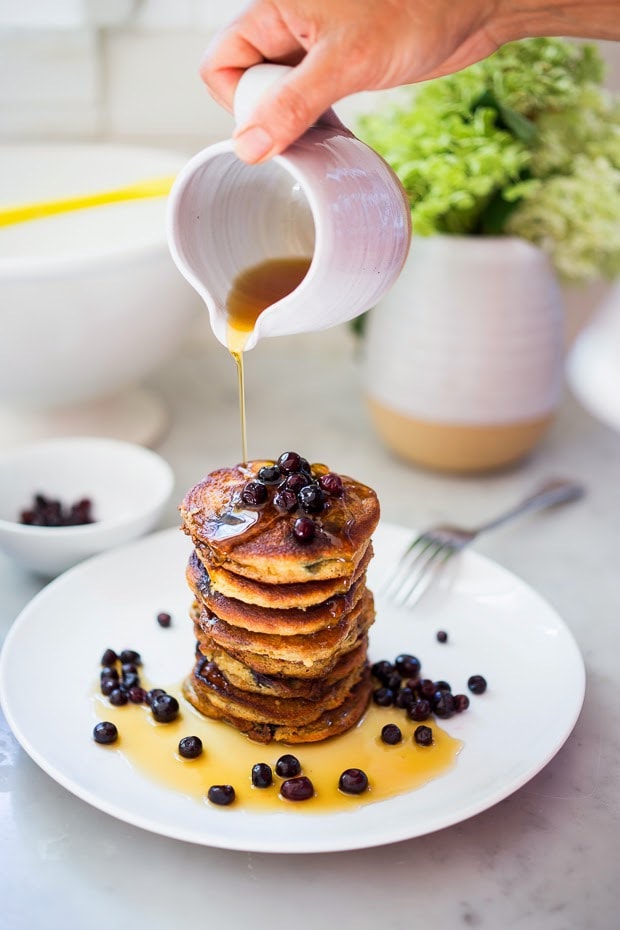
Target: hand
[339, 47]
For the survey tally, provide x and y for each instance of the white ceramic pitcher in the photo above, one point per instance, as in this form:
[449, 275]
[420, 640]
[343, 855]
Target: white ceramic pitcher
[328, 197]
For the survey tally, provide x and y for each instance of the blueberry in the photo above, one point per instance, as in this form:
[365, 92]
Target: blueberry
[461, 703]
[290, 462]
[108, 671]
[297, 789]
[130, 655]
[383, 697]
[164, 619]
[164, 708]
[109, 657]
[423, 736]
[443, 686]
[477, 684]
[404, 698]
[444, 704]
[269, 474]
[190, 747]
[105, 732]
[254, 494]
[79, 514]
[153, 693]
[382, 670]
[285, 500]
[108, 685]
[391, 734]
[118, 697]
[304, 530]
[137, 695]
[442, 636]
[353, 781]
[311, 498]
[296, 482]
[262, 776]
[131, 680]
[419, 710]
[287, 766]
[426, 688]
[407, 666]
[332, 484]
[393, 682]
[221, 794]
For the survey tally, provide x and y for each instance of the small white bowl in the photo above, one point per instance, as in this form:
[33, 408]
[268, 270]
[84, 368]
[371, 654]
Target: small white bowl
[128, 485]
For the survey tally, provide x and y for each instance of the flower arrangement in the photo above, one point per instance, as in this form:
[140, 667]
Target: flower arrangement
[525, 143]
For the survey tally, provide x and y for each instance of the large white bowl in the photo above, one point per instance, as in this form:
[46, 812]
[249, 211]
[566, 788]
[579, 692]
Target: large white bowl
[129, 486]
[90, 300]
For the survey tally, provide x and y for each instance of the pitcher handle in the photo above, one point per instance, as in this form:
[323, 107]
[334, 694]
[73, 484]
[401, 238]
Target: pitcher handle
[258, 79]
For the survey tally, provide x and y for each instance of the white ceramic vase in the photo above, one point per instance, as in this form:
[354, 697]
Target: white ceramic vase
[464, 356]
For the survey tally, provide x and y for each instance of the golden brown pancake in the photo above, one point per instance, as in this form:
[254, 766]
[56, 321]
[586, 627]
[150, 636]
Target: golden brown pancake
[266, 665]
[258, 542]
[330, 723]
[308, 650]
[284, 622]
[285, 596]
[311, 689]
[210, 682]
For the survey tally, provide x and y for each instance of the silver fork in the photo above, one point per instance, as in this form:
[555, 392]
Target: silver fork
[431, 550]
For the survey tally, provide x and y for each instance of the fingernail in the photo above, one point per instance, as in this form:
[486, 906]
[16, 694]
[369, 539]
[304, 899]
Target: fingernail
[253, 144]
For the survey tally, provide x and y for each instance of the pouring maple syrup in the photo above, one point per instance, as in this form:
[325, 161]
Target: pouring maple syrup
[251, 292]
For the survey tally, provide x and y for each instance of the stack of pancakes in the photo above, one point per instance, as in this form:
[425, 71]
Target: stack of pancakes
[281, 611]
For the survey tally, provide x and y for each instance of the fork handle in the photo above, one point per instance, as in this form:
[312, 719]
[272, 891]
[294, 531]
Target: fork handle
[550, 494]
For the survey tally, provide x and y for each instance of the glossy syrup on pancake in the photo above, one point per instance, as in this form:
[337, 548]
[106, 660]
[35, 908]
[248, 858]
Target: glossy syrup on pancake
[252, 291]
[226, 531]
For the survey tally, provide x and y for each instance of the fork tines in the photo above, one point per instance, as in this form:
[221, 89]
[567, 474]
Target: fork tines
[415, 570]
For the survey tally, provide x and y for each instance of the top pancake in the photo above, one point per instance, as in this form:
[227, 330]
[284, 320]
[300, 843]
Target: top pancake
[258, 542]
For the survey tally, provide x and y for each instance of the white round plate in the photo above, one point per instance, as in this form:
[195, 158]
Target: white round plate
[497, 627]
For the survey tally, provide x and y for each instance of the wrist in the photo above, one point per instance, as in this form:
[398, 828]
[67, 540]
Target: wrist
[528, 18]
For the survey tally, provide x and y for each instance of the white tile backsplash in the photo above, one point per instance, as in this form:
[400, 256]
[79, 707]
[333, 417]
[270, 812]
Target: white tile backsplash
[49, 83]
[41, 14]
[161, 14]
[153, 89]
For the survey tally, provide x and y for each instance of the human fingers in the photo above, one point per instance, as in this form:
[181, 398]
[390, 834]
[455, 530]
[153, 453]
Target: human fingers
[291, 106]
[261, 34]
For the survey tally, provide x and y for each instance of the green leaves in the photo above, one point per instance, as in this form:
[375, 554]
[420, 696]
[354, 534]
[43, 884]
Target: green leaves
[507, 147]
[495, 215]
[520, 126]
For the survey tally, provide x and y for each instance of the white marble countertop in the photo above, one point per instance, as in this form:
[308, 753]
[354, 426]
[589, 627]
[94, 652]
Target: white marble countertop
[546, 858]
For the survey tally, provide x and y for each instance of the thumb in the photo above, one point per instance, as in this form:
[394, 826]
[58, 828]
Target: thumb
[291, 106]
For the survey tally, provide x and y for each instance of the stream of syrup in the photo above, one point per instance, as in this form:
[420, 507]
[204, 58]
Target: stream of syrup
[252, 291]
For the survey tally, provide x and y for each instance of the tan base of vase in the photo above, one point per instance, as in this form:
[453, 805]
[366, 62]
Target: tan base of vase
[454, 447]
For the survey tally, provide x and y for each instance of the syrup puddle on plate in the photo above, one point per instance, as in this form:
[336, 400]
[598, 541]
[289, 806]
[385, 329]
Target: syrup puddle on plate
[228, 756]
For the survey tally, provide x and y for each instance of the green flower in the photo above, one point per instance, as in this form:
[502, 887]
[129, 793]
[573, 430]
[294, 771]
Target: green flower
[526, 142]
[575, 218]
